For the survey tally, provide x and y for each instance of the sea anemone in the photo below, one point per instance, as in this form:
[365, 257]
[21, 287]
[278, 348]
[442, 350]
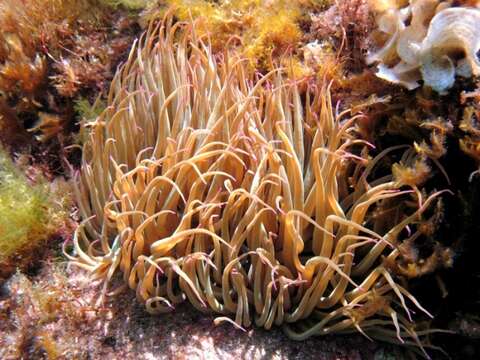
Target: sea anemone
[205, 181]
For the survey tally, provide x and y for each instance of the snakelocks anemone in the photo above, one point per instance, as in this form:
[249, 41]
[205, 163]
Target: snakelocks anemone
[205, 181]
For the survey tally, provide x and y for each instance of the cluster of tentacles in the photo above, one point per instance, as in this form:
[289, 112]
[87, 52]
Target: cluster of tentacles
[206, 182]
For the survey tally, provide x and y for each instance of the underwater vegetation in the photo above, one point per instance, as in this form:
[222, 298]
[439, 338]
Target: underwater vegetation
[470, 142]
[32, 212]
[129, 4]
[49, 57]
[306, 165]
[346, 26]
[204, 181]
[311, 39]
[261, 31]
[43, 320]
[434, 43]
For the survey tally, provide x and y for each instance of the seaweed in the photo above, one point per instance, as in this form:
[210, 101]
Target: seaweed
[51, 52]
[262, 31]
[32, 212]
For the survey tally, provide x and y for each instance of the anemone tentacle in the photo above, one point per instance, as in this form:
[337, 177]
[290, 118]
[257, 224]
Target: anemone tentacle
[207, 182]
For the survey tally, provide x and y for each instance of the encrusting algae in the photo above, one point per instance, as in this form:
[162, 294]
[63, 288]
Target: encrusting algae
[205, 181]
